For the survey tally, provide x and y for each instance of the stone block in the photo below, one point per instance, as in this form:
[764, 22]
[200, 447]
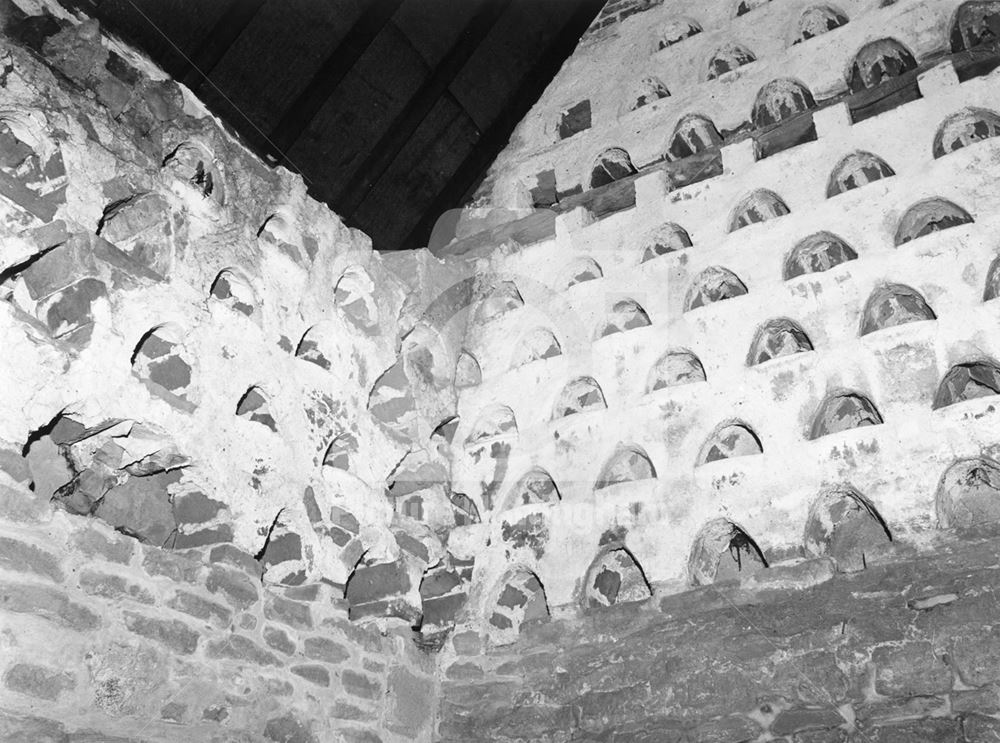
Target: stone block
[799, 720]
[177, 636]
[325, 649]
[23, 557]
[936, 730]
[288, 729]
[239, 590]
[909, 669]
[360, 685]
[288, 612]
[142, 227]
[985, 700]
[38, 681]
[195, 508]
[47, 603]
[729, 729]
[94, 543]
[112, 586]
[278, 639]
[175, 567]
[141, 507]
[981, 729]
[22, 506]
[200, 607]
[230, 554]
[977, 657]
[84, 255]
[466, 643]
[16, 728]
[313, 673]
[411, 701]
[238, 647]
[344, 711]
[203, 537]
[355, 735]
[68, 311]
[464, 672]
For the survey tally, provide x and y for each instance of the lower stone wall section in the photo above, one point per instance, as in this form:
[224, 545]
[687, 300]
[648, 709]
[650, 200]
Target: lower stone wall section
[107, 639]
[901, 652]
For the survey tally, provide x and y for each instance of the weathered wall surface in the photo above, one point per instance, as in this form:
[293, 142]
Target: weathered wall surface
[737, 344]
[900, 652]
[203, 359]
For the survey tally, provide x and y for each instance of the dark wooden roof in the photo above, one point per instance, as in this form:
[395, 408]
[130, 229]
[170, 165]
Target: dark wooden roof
[391, 109]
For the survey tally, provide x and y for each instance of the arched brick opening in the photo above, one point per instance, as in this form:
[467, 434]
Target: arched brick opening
[856, 170]
[579, 396]
[494, 423]
[160, 358]
[536, 345]
[965, 128]
[580, 271]
[968, 497]
[991, 289]
[967, 381]
[714, 284]
[776, 338]
[727, 58]
[519, 600]
[843, 411]
[845, 526]
[615, 577]
[781, 99]
[648, 90]
[535, 486]
[677, 30]
[879, 61]
[975, 23]
[353, 296]
[675, 368]
[692, 134]
[816, 253]
[729, 441]
[890, 305]
[192, 163]
[818, 20]
[234, 291]
[625, 314]
[503, 298]
[611, 165]
[629, 463]
[759, 206]
[341, 451]
[723, 551]
[667, 238]
[256, 407]
[745, 6]
[467, 370]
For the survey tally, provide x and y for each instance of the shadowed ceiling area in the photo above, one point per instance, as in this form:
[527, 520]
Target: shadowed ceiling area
[392, 110]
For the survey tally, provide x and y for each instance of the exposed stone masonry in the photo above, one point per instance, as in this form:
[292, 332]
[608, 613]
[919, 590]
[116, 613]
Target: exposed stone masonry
[689, 435]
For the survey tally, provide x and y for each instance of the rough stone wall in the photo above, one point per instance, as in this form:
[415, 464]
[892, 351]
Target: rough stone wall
[199, 357]
[896, 653]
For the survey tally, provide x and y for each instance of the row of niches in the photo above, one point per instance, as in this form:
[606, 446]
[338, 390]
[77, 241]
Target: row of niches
[971, 24]
[840, 411]
[816, 253]
[873, 64]
[842, 524]
[695, 133]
